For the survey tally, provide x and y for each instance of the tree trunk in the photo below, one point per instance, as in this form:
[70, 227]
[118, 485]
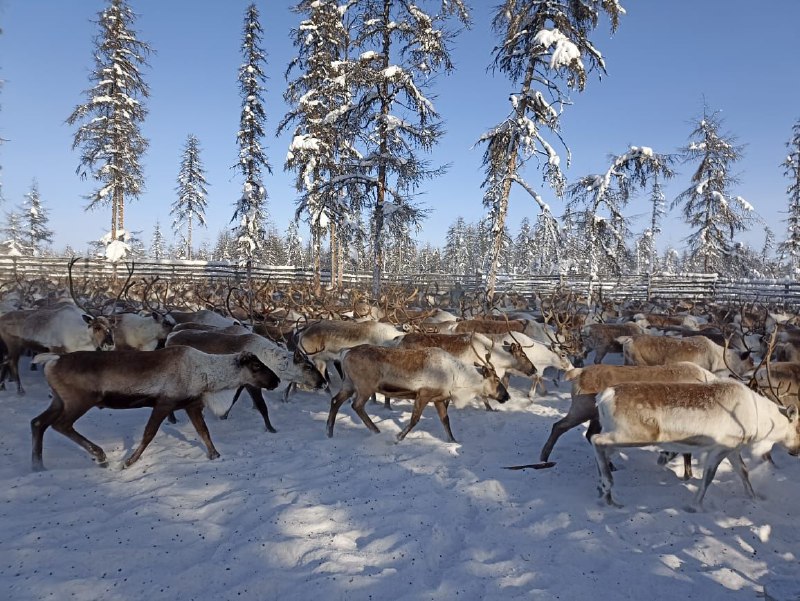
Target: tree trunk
[380, 196]
[315, 250]
[334, 254]
[510, 172]
[189, 239]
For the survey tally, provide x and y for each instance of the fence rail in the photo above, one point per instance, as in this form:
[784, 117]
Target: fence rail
[663, 286]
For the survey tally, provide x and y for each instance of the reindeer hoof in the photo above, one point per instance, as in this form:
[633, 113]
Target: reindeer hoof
[213, 455]
[38, 466]
[272, 430]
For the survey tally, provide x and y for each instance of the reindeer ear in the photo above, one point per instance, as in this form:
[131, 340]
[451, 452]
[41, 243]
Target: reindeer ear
[744, 355]
[156, 316]
[792, 413]
[87, 318]
[244, 357]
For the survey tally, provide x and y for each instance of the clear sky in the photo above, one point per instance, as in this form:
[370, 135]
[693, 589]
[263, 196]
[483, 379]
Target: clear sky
[665, 59]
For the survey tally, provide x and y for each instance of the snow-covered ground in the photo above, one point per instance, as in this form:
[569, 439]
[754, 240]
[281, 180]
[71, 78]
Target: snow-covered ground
[295, 515]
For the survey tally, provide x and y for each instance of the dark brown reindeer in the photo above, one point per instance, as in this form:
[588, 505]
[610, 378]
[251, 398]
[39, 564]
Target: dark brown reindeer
[167, 380]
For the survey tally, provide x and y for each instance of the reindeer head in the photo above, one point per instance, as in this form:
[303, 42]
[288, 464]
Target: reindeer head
[256, 373]
[102, 331]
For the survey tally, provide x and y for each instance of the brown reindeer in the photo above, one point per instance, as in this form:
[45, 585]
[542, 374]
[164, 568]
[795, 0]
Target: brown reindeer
[167, 380]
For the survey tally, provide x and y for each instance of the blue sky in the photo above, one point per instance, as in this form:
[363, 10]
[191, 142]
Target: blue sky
[664, 60]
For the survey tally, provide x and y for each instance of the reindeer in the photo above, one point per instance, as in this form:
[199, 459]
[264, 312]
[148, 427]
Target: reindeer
[141, 332]
[506, 357]
[167, 380]
[661, 350]
[720, 418]
[292, 367]
[427, 375]
[326, 340]
[62, 328]
[602, 338]
[587, 382]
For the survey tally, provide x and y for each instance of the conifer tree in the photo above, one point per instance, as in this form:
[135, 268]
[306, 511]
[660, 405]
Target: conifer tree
[599, 200]
[790, 248]
[109, 135]
[545, 49]
[321, 147]
[34, 221]
[709, 205]
[14, 232]
[402, 48]
[250, 214]
[190, 205]
[158, 246]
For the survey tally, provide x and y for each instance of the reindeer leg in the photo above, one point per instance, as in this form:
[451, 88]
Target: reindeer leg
[67, 430]
[171, 418]
[581, 409]
[260, 405]
[233, 402]
[289, 392]
[687, 466]
[712, 463]
[602, 443]
[195, 413]
[336, 402]
[419, 405]
[358, 407]
[741, 469]
[441, 409]
[158, 415]
[39, 424]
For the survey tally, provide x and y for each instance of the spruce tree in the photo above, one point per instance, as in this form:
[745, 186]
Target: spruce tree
[250, 214]
[190, 205]
[710, 207]
[109, 135]
[402, 49]
[158, 246]
[35, 220]
[790, 248]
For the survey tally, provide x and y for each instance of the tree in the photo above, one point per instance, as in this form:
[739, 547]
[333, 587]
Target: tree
[158, 246]
[34, 222]
[544, 49]
[599, 201]
[294, 245]
[321, 148]
[403, 47]
[191, 202]
[250, 213]
[790, 248]
[109, 136]
[14, 232]
[708, 204]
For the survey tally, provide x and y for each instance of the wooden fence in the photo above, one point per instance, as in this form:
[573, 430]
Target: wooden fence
[662, 286]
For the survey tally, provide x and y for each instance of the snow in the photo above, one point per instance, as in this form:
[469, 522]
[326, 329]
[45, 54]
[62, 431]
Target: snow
[297, 516]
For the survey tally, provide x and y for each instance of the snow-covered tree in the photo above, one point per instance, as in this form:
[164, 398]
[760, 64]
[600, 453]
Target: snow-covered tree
[158, 246]
[599, 200]
[546, 51]
[546, 246]
[321, 148]
[709, 205]
[790, 248]
[14, 232]
[294, 245]
[35, 220]
[455, 250]
[250, 213]
[190, 206]
[225, 247]
[109, 134]
[402, 48]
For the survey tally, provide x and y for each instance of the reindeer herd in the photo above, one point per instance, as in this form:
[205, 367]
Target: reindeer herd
[698, 379]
